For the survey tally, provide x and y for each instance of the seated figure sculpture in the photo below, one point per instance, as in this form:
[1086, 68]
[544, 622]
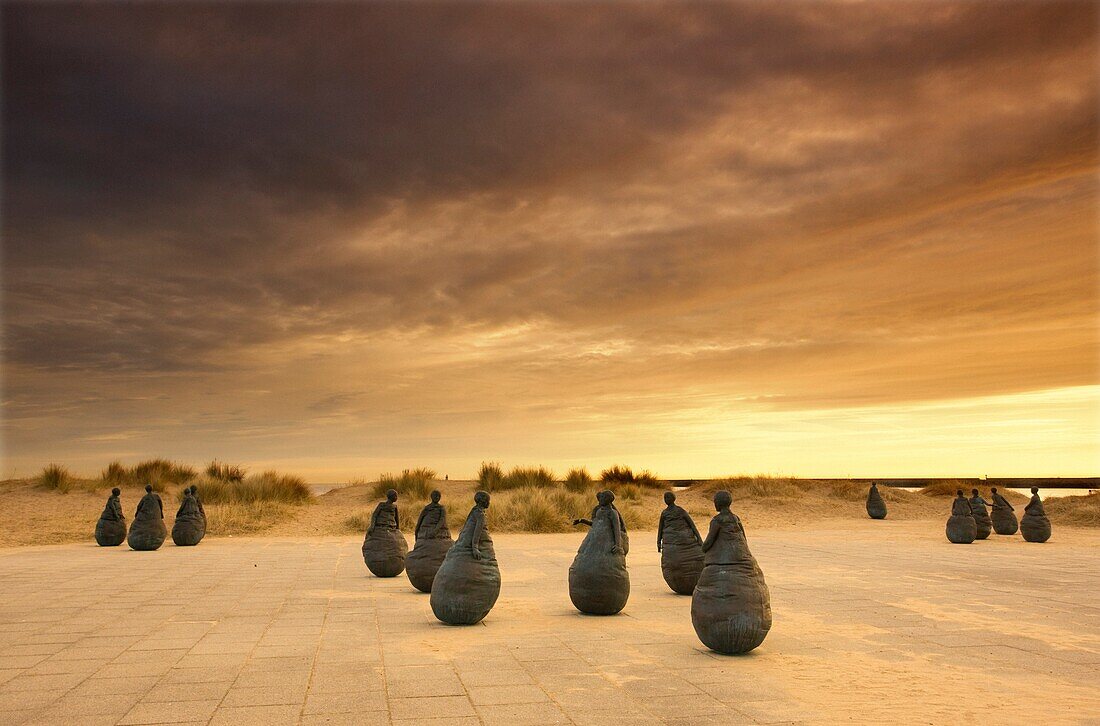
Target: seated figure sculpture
[680, 546]
[598, 580]
[110, 530]
[876, 507]
[731, 607]
[1003, 515]
[983, 525]
[148, 531]
[961, 527]
[467, 584]
[187, 530]
[384, 547]
[1034, 525]
[433, 540]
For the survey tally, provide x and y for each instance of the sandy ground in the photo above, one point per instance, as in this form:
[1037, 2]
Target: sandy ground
[874, 622]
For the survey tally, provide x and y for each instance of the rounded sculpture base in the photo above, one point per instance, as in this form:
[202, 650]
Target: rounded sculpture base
[961, 529]
[425, 560]
[384, 552]
[145, 537]
[599, 584]
[1035, 529]
[110, 533]
[465, 589]
[1005, 523]
[731, 608]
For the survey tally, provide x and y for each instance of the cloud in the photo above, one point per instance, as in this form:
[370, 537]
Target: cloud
[473, 209]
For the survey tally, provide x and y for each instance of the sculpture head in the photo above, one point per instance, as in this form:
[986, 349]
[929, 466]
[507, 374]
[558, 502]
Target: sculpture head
[722, 500]
[974, 492]
[481, 499]
[435, 496]
[115, 492]
[993, 489]
[958, 492]
[1034, 490]
[605, 498]
[148, 488]
[670, 498]
[391, 495]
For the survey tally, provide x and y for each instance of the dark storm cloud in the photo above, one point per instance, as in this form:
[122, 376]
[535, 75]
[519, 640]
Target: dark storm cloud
[759, 200]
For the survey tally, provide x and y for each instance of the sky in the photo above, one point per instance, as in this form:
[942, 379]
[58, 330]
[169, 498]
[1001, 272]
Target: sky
[799, 238]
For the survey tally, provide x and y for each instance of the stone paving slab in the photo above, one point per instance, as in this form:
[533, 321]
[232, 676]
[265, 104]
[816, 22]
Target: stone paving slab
[874, 622]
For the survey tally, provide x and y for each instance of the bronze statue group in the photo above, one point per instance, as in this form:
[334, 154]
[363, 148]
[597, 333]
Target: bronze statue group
[730, 604]
[730, 607]
[970, 520]
[148, 531]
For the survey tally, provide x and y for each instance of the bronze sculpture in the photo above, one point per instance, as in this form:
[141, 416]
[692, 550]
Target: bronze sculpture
[1003, 515]
[961, 527]
[187, 530]
[1034, 525]
[598, 580]
[876, 507]
[467, 584]
[982, 523]
[110, 530]
[681, 547]
[432, 541]
[384, 547]
[148, 531]
[731, 607]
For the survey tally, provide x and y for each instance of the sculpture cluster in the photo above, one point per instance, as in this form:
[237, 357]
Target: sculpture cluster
[730, 608]
[148, 531]
[970, 520]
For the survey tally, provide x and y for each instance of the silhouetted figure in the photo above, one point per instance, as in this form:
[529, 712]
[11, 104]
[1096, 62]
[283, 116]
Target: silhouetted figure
[876, 507]
[110, 530]
[961, 527]
[731, 607]
[983, 525]
[1003, 515]
[598, 581]
[680, 546]
[188, 528]
[148, 531]
[384, 547]
[433, 540]
[624, 537]
[1034, 525]
[468, 582]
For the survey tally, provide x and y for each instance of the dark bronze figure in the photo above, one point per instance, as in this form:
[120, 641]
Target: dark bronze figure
[961, 527]
[467, 584]
[598, 581]
[433, 540]
[731, 607]
[110, 530]
[681, 547]
[384, 547]
[187, 530]
[1034, 525]
[982, 523]
[202, 510]
[876, 507]
[148, 531]
[1003, 515]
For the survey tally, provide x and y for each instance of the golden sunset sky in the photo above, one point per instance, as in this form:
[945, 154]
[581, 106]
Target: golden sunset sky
[706, 239]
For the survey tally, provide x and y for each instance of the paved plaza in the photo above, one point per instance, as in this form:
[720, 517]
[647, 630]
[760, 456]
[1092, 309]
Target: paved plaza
[874, 622]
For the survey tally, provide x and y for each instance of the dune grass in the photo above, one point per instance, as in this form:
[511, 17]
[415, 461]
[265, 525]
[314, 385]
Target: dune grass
[270, 486]
[416, 483]
[491, 477]
[55, 477]
[1082, 511]
[624, 475]
[578, 480]
[225, 472]
[159, 473]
